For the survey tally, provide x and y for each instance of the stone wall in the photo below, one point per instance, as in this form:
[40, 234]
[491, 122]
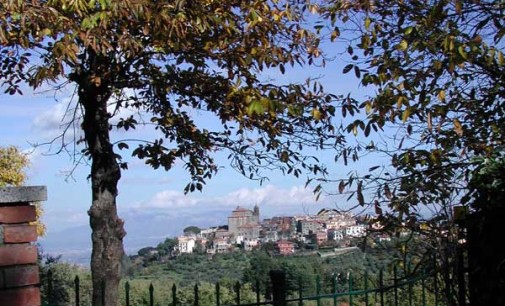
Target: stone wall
[19, 272]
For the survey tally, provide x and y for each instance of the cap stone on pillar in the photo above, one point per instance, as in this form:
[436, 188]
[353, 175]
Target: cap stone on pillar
[23, 194]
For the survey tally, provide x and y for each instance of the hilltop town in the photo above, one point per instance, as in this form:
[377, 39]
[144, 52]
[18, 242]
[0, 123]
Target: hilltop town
[286, 235]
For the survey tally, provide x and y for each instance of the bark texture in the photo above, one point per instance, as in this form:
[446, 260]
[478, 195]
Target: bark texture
[107, 227]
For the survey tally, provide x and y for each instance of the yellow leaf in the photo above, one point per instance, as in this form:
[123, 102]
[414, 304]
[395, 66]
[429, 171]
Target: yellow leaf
[406, 114]
[367, 23]
[441, 95]
[403, 45]
[368, 108]
[316, 114]
[458, 128]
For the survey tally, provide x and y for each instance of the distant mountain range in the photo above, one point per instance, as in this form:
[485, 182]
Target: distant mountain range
[143, 229]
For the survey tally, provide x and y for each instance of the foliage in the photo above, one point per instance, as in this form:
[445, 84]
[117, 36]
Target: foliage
[487, 185]
[216, 52]
[167, 62]
[192, 230]
[167, 247]
[435, 72]
[58, 282]
[12, 165]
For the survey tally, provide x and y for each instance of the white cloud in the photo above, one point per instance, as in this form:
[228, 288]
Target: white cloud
[271, 200]
[61, 117]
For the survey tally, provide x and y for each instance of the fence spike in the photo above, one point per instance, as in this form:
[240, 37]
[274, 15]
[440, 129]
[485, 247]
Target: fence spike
[300, 291]
[381, 283]
[258, 299]
[218, 297]
[366, 288]
[350, 288]
[334, 289]
[197, 297]
[395, 287]
[77, 289]
[127, 293]
[318, 289]
[423, 292]
[151, 295]
[50, 285]
[174, 295]
[237, 288]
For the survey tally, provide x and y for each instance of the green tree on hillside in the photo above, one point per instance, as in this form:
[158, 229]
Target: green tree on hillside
[169, 61]
[192, 230]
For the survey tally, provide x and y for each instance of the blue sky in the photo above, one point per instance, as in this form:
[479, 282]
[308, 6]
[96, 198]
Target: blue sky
[152, 202]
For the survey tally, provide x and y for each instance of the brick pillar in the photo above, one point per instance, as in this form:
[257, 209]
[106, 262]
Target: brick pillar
[19, 272]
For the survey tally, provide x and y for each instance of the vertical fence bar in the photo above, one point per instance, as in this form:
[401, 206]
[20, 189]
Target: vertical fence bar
[258, 292]
[102, 286]
[127, 293]
[395, 285]
[381, 283]
[350, 289]
[174, 295]
[50, 286]
[435, 285]
[423, 291]
[334, 289]
[461, 273]
[151, 295]
[278, 278]
[197, 297]
[300, 292]
[410, 293]
[318, 290]
[366, 288]
[218, 297]
[237, 289]
[77, 288]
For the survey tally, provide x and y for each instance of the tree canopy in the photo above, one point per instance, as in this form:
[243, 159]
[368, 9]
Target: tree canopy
[434, 74]
[165, 61]
[192, 230]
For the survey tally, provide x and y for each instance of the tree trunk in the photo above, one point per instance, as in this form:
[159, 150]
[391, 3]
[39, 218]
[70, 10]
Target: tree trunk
[107, 228]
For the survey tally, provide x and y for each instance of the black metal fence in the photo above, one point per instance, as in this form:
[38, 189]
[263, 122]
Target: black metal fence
[405, 290]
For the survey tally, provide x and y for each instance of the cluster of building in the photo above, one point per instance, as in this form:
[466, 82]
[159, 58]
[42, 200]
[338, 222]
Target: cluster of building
[245, 230]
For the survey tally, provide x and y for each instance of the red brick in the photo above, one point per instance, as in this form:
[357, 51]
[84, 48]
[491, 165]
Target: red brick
[17, 254]
[19, 276]
[17, 214]
[29, 296]
[20, 233]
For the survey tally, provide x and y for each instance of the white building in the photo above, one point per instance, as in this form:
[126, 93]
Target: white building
[186, 244]
[249, 245]
[356, 231]
[221, 245]
[336, 235]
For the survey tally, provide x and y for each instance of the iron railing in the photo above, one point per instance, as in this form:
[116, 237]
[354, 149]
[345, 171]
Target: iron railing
[386, 292]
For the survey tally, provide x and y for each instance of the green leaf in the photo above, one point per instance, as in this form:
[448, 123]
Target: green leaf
[348, 68]
[341, 186]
